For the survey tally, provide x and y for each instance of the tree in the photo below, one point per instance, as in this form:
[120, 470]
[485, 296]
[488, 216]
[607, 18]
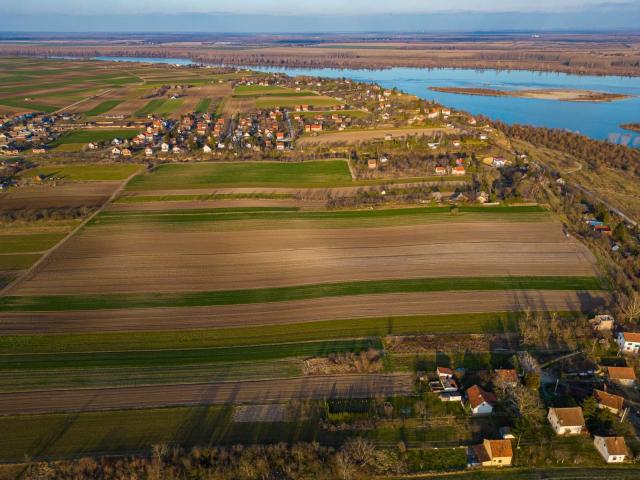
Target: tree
[620, 232]
[630, 308]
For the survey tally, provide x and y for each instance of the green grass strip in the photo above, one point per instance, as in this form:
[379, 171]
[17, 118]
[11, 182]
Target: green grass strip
[214, 215]
[303, 292]
[104, 107]
[497, 322]
[150, 107]
[203, 105]
[176, 357]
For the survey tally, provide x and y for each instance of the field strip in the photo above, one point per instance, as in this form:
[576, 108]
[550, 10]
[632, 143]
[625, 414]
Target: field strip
[300, 311]
[327, 330]
[313, 192]
[356, 136]
[260, 391]
[289, 293]
[44, 259]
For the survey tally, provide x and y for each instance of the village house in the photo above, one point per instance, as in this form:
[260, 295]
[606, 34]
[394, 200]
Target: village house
[508, 377]
[440, 170]
[148, 151]
[612, 449]
[609, 401]
[479, 401]
[459, 170]
[206, 149]
[567, 421]
[115, 151]
[494, 453]
[372, 164]
[602, 323]
[126, 152]
[622, 375]
[629, 342]
[164, 147]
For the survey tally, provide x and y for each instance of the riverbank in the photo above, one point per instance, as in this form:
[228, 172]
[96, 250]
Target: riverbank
[632, 127]
[565, 95]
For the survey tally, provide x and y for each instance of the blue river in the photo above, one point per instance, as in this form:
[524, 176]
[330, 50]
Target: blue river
[600, 120]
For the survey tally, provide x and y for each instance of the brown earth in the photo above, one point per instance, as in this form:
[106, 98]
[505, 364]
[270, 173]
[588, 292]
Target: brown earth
[299, 311]
[76, 194]
[260, 392]
[347, 136]
[138, 259]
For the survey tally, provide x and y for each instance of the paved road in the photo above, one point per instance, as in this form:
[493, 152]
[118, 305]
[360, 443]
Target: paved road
[261, 391]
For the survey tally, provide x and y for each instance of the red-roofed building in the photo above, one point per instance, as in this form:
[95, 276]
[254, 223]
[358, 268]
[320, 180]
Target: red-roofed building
[480, 402]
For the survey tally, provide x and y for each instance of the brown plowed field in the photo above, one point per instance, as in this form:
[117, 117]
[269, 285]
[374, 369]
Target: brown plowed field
[77, 194]
[261, 391]
[140, 258]
[299, 311]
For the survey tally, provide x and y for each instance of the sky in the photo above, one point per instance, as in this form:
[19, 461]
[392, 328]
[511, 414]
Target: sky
[322, 15]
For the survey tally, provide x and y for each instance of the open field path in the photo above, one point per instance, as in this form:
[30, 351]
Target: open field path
[299, 311]
[259, 392]
[357, 136]
[164, 205]
[42, 261]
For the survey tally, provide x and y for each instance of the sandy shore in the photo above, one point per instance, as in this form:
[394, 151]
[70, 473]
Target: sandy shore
[566, 95]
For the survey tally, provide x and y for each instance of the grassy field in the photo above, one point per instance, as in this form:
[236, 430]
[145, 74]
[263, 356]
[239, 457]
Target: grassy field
[94, 135]
[268, 90]
[16, 261]
[28, 105]
[150, 107]
[168, 107]
[104, 107]
[249, 174]
[292, 101]
[213, 196]
[180, 357]
[110, 377]
[200, 218]
[31, 242]
[235, 297]
[260, 335]
[203, 105]
[89, 172]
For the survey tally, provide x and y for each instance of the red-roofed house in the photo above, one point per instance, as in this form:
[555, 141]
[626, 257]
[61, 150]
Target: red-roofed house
[622, 375]
[480, 402]
[507, 376]
[629, 342]
[494, 453]
[609, 401]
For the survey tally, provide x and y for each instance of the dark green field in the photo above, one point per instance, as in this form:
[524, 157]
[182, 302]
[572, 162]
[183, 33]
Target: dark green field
[104, 107]
[95, 135]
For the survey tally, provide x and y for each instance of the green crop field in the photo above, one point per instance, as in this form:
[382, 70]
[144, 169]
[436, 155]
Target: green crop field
[136, 376]
[289, 102]
[15, 261]
[94, 135]
[150, 107]
[261, 334]
[27, 243]
[104, 107]
[248, 174]
[201, 218]
[268, 90]
[203, 105]
[28, 105]
[94, 172]
[168, 107]
[262, 295]
[181, 357]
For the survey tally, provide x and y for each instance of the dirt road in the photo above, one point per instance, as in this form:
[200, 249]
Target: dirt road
[261, 391]
[278, 313]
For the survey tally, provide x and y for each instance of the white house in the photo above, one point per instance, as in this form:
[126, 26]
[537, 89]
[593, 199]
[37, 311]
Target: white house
[206, 149]
[479, 401]
[612, 449]
[566, 421]
[629, 342]
[115, 151]
[164, 147]
[609, 401]
[148, 151]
